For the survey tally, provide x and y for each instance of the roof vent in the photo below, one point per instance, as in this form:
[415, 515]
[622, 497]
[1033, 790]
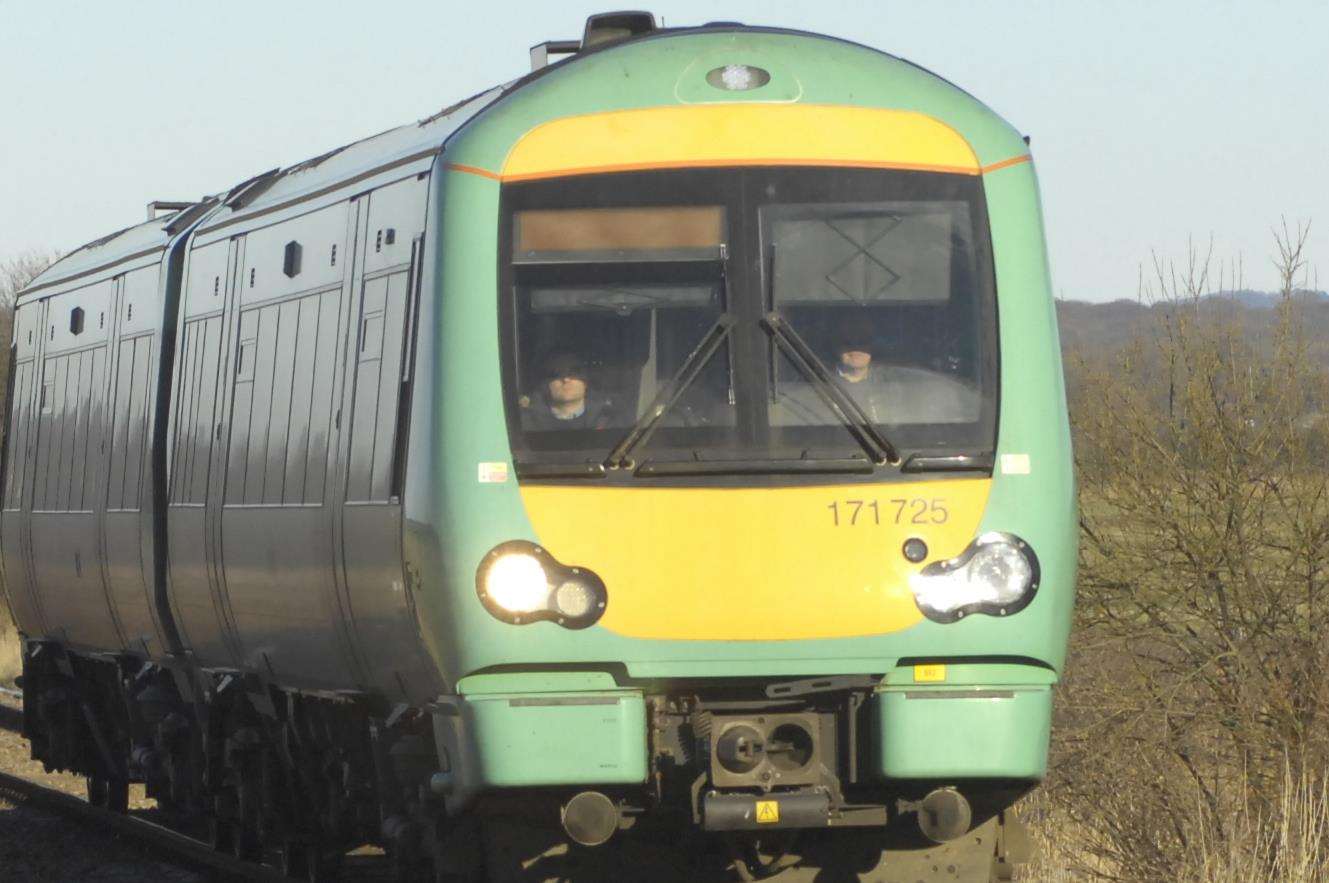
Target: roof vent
[603, 28]
[610, 27]
[162, 205]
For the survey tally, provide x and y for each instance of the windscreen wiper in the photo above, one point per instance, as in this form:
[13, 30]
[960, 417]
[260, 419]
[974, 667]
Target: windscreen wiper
[787, 466]
[864, 431]
[646, 424]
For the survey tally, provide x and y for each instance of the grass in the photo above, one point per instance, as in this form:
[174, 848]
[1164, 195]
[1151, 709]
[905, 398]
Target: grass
[9, 648]
[1287, 843]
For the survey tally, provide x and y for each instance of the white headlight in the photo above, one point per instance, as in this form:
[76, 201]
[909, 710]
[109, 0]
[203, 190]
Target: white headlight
[997, 574]
[520, 583]
[517, 583]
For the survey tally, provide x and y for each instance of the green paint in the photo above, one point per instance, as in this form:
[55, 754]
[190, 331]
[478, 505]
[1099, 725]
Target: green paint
[672, 70]
[917, 734]
[467, 518]
[974, 673]
[535, 682]
[531, 739]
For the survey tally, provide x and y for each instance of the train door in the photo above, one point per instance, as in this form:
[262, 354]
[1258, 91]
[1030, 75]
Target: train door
[275, 549]
[200, 608]
[15, 540]
[70, 440]
[133, 375]
[379, 371]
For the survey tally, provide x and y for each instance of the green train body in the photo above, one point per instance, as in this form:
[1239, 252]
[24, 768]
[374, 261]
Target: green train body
[720, 573]
[1035, 500]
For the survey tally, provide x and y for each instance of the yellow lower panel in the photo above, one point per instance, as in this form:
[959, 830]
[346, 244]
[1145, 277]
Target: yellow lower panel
[756, 564]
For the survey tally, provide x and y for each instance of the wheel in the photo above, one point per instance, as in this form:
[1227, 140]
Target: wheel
[407, 864]
[294, 859]
[320, 865]
[220, 834]
[459, 853]
[97, 788]
[245, 844]
[117, 796]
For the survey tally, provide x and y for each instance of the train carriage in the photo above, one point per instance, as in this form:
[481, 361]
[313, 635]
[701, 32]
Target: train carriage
[672, 439]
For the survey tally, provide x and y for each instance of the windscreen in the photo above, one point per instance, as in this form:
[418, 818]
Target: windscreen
[872, 288]
[748, 320]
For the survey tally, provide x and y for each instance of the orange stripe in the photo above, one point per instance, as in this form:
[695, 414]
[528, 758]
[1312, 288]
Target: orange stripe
[640, 167]
[472, 170]
[1007, 163]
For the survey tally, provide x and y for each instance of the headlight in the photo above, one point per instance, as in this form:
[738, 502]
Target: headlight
[520, 582]
[997, 574]
[517, 583]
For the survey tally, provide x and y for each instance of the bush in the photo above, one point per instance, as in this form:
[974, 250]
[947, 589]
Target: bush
[1192, 721]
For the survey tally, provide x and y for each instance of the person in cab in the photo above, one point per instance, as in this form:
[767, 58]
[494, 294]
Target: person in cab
[858, 375]
[564, 398]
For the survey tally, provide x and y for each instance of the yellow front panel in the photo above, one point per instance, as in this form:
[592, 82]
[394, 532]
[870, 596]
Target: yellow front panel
[737, 135]
[756, 564]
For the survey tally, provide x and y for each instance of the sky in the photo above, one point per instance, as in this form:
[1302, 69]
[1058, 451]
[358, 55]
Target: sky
[1153, 124]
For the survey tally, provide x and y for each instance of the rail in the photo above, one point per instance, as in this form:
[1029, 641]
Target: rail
[180, 847]
[11, 718]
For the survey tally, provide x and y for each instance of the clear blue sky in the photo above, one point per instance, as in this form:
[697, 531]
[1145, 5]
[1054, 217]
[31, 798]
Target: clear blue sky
[1152, 122]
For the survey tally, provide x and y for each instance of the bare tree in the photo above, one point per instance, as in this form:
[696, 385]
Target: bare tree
[1199, 669]
[15, 274]
[18, 271]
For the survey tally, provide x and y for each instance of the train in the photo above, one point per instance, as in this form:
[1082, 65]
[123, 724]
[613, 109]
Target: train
[663, 456]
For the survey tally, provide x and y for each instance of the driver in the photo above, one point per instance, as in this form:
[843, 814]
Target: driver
[864, 381]
[564, 399]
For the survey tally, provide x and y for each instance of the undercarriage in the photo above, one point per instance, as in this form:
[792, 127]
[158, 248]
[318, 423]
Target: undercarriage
[745, 779]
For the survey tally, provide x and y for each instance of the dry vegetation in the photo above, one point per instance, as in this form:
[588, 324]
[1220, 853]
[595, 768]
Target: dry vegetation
[1191, 741]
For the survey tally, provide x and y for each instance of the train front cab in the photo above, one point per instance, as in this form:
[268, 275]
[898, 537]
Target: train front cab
[731, 582]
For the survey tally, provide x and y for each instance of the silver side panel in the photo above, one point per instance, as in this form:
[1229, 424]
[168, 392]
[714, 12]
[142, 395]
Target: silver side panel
[380, 371]
[285, 515]
[127, 537]
[193, 470]
[77, 523]
[15, 520]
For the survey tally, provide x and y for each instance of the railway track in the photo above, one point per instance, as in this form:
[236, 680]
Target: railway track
[11, 718]
[168, 843]
[181, 848]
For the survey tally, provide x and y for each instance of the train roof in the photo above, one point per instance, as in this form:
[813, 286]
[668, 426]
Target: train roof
[268, 192]
[397, 147]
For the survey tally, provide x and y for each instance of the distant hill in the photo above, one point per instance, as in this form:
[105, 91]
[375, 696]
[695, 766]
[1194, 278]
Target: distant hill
[1266, 300]
[1097, 328]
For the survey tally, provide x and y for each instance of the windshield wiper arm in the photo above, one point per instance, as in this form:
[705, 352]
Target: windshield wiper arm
[788, 466]
[646, 424]
[864, 431]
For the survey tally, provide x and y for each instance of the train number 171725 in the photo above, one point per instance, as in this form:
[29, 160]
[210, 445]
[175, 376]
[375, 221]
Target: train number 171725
[901, 510]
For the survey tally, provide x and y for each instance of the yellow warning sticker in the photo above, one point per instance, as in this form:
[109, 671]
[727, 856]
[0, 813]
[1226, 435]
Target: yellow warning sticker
[768, 812]
[929, 673]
